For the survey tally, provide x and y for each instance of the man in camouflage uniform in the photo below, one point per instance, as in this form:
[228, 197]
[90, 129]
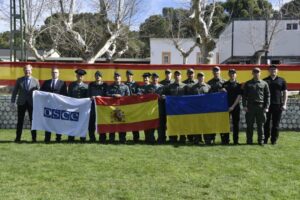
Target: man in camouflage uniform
[176, 89]
[199, 88]
[256, 102]
[234, 94]
[216, 84]
[78, 89]
[117, 90]
[134, 90]
[96, 89]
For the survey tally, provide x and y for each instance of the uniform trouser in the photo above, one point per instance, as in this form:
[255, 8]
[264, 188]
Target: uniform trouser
[195, 138]
[21, 115]
[161, 130]
[174, 139]
[209, 138]
[136, 136]
[255, 113]
[274, 114]
[235, 118]
[122, 137]
[92, 123]
[149, 136]
[48, 137]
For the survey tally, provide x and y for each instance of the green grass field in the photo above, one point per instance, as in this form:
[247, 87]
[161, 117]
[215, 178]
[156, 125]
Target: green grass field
[94, 171]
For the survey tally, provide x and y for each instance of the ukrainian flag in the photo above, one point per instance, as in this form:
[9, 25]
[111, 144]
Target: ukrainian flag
[197, 114]
[129, 113]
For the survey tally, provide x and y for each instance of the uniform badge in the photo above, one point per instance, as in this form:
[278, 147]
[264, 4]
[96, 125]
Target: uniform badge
[117, 115]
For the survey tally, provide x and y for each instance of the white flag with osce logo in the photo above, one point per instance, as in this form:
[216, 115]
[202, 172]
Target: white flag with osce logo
[60, 114]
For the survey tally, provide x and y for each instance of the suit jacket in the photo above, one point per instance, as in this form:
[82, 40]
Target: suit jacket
[59, 88]
[23, 94]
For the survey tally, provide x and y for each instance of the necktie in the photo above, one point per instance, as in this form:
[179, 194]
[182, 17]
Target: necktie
[26, 83]
[52, 84]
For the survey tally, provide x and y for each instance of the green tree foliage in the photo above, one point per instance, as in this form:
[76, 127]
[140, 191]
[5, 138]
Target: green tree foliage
[291, 9]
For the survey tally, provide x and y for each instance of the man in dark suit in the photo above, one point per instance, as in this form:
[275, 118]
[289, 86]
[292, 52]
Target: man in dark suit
[56, 86]
[24, 88]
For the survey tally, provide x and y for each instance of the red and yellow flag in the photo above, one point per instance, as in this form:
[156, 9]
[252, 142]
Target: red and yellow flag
[129, 113]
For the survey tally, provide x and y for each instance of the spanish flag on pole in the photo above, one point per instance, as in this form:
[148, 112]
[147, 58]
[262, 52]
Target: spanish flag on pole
[197, 114]
[129, 113]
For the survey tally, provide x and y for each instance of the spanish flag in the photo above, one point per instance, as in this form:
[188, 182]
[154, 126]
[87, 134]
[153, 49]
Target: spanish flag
[129, 113]
[197, 114]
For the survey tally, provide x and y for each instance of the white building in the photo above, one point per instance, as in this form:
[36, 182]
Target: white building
[163, 51]
[242, 38]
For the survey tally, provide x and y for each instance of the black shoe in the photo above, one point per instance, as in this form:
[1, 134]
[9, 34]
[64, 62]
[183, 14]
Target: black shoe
[17, 140]
[261, 144]
[33, 140]
[273, 142]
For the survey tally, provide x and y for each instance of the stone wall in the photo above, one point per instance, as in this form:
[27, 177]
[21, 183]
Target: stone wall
[290, 118]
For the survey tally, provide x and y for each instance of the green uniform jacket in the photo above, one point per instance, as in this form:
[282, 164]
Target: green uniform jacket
[78, 90]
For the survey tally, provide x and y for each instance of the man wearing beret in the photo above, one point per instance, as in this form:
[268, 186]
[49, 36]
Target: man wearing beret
[216, 84]
[234, 94]
[278, 90]
[96, 89]
[78, 89]
[199, 88]
[56, 86]
[256, 102]
[117, 90]
[134, 90]
[176, 89]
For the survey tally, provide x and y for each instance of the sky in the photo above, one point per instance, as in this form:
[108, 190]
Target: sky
[149, 7]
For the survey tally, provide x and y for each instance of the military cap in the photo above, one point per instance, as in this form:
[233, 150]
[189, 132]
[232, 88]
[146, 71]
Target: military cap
[129, 72]
[200, 74]
[273, 67]
[190, 71]
[216, 69]
[98, 73]
[80, 72]
[256, 70]
[146, 74]
[117, 74]
[155, 75]
[177, 72]
[232, 71]
[168, 71]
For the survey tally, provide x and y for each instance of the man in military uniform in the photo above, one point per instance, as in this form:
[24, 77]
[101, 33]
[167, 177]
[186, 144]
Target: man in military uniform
[78, 89]
[234, 94]
[117, 90]
[96, 89]
[216, 84]
[176, 89]
[24, 88]
[256, 102]
[56, 86]
[199, 88]
[278, 90]
[168, 79]
[134, 90]
[190, 81]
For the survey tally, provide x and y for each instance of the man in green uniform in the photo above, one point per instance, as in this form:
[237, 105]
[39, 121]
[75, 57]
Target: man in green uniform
[168, 80]
[199, 88]
[78, 89]
[176, 89]
[256, 102]
[216, 84]
[96, 89]
[117, 90]
[134, 90]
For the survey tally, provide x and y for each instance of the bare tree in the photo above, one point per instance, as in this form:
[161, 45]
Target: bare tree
[203, 19]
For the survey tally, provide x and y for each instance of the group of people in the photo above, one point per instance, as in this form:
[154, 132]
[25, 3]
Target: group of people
[263, 101]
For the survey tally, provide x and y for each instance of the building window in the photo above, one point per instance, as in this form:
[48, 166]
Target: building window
[292, 26]
[166, 57]
[200, 59]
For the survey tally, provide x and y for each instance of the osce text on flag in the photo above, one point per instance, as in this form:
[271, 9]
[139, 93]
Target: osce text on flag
[197, 114]
[129, 113]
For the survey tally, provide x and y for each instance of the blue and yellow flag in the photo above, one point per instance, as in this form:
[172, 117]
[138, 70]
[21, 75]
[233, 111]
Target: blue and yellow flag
[197, 114]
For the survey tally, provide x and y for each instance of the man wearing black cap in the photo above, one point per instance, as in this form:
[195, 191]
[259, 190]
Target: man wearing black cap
[176, 89]
[134, 90]
[56, 86]
[168, 80]
[278, 90]
[117, 90]
[190, 81]
[216, 84]
[78, 89]
[199, 88]
[256, 102]
[234, 94]
[96, 89]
